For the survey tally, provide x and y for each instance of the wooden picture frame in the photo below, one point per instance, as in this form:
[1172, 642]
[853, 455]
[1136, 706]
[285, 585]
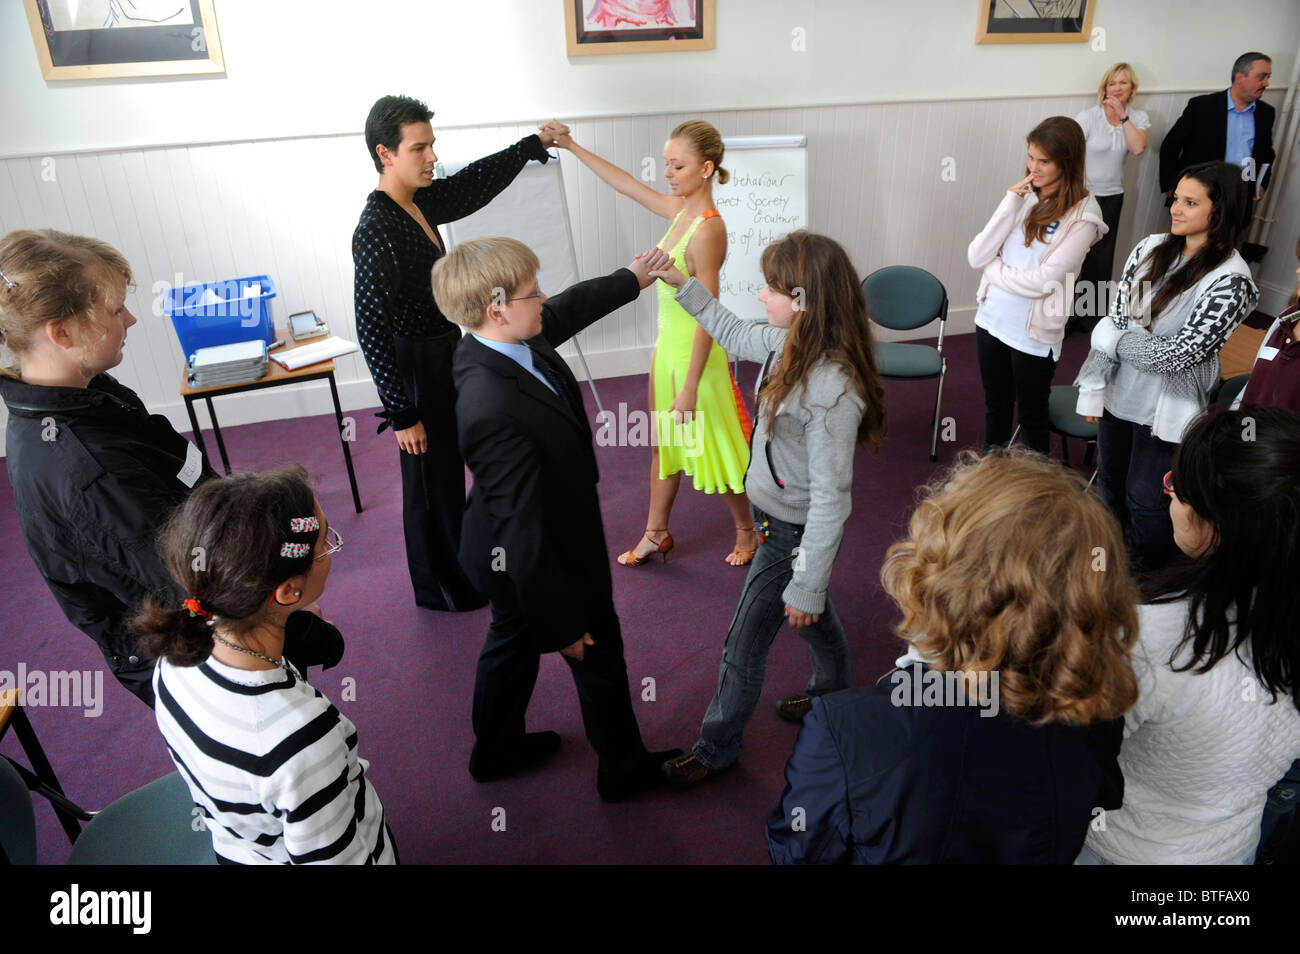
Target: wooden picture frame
[1034, 21]
[593, 27]
[141, 38]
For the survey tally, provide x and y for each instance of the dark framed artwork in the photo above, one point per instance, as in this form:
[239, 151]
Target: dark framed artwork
[637, 26]
[1034, 21]
[110, 39]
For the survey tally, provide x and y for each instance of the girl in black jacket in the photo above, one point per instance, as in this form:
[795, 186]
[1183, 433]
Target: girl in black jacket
[94, 474]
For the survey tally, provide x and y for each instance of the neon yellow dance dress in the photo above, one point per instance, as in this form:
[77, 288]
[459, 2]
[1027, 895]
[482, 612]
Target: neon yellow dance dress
[714, 449]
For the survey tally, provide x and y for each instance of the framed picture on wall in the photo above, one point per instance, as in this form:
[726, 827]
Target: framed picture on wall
[637, 26]
[1034, 21]
[110, 39]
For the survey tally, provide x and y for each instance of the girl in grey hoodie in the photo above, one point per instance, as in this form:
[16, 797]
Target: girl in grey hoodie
[818, 397]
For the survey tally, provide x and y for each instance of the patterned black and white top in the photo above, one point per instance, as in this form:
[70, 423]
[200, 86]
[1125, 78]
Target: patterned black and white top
[1176, 359]
[393, 258]
[272, 766]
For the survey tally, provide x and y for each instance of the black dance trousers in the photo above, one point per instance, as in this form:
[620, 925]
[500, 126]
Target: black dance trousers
[433, 483]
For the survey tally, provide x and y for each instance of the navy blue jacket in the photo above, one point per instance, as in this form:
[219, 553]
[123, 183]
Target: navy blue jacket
[871, 782]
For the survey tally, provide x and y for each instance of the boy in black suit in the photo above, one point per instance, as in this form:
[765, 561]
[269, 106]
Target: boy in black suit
[532, 538]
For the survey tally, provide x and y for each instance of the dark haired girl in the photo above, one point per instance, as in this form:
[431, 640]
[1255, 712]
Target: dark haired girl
[819, 396]
[1030, 252]
[272, 765]
[1218, 716]
[1153, 363]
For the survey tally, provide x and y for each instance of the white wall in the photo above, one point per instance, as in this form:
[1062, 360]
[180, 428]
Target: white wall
[312, 67]
[220, 205]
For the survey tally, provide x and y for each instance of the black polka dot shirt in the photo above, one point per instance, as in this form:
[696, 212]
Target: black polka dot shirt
[393, 257]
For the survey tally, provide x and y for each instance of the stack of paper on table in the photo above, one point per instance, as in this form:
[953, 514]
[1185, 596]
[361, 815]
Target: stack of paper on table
[235, 363]
[322, 350]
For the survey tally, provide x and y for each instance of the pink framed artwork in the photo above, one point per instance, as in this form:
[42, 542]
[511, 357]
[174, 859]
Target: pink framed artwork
[637, 26]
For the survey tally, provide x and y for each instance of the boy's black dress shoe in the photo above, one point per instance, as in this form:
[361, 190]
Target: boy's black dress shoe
[536, 748]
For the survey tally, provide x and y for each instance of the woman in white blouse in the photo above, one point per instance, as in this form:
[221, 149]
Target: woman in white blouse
[1113, 130]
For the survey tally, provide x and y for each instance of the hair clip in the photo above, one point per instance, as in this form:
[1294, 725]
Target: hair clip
[8, 283]
[294, 550]
[303, 524]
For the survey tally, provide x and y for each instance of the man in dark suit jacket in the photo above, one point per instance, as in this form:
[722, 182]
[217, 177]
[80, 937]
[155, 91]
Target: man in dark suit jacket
[1201, 133]
[532, 538]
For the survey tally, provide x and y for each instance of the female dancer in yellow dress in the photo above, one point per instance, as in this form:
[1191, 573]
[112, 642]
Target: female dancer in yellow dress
[703, 424]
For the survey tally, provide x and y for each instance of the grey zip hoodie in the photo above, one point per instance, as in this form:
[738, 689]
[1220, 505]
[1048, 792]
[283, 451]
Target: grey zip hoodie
[811, 441]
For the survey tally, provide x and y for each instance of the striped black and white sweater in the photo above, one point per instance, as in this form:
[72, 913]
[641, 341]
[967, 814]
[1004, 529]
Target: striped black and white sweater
[272, 766]
[1186, 362]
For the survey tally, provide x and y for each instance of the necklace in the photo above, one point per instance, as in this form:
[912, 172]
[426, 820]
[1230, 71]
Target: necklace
[248, 652]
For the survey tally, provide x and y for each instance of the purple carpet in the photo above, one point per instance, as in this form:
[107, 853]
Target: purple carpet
[407, 676]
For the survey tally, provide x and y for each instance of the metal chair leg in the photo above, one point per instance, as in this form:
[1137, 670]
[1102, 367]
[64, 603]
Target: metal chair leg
[938, 405]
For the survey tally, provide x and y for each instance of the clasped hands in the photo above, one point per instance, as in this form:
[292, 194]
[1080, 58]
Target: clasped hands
[554, 133]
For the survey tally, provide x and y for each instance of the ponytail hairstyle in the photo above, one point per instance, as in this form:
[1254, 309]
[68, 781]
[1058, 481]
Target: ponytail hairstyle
[223, 548]
[1240, 472]
[52, 276]
[707, 143]
[830, 323]
[1230, 213]
[1062, 139]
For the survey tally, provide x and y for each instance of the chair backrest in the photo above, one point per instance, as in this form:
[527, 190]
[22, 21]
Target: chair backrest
[1229, 389]
[154, 825]
[904, 297]
[17, 820]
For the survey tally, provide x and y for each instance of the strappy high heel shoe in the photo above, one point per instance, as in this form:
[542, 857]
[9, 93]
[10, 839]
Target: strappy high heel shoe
[739, 557]
[629, 557]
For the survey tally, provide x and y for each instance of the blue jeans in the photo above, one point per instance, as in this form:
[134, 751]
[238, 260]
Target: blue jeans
[1279, 812]
[1131, 467]
[759, 616]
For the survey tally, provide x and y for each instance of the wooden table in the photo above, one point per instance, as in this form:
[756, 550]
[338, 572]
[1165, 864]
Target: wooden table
[1238, 354]
[276, 375]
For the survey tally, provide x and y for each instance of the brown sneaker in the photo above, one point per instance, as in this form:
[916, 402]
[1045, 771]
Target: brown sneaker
[794, 708]
[688, 770]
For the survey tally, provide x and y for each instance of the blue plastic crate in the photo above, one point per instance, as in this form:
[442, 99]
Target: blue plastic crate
[216, 313]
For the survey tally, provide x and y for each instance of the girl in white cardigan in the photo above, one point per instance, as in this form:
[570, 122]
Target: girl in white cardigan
[1218, 714]
[1030, 253]
[1152, 364]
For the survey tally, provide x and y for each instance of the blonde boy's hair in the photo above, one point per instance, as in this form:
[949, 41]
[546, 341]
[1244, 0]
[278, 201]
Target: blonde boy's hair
[477, 273]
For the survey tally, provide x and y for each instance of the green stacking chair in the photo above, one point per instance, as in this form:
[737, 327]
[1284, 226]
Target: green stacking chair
[904, 298]
[154, 825]
[1064, 420]
[17, 819]
[1228, 390]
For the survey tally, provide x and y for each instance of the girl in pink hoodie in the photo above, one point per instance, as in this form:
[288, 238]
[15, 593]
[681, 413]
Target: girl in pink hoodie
[1030, 252]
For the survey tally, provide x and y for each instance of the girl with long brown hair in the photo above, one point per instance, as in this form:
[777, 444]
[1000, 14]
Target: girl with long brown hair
[819, 396]
[1155, 358]
[1030, 252]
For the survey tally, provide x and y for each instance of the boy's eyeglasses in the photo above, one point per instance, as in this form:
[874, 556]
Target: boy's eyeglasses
[536, 294]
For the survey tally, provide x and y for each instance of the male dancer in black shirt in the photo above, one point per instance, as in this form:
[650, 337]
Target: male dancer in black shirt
[407, 342]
